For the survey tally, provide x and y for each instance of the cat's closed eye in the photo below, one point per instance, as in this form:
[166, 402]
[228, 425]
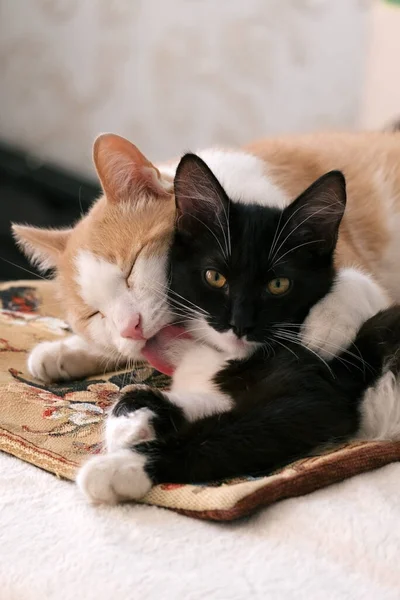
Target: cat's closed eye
[128, 276]
[93, 314]
[131, 266]
[279, 286]
[214, 278]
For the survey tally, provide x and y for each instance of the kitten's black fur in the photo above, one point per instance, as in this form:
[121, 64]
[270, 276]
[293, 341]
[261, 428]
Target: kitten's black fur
[285, 409]
[287, 402]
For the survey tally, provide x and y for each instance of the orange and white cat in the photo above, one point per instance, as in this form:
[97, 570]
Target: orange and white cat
[111, 267]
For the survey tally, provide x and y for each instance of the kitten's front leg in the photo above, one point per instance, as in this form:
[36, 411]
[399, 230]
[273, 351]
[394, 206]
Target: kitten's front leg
[65, 359]
[143, 414]
[140, 415]
[334, 322]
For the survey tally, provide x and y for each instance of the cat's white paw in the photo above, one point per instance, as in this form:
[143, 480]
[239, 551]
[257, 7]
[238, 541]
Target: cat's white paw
[113, 478]
[62, 360]
[333, 323]
[327, 331]
[127, 430]
[46, 362]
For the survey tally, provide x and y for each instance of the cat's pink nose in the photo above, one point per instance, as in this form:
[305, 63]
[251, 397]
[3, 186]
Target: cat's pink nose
[134, 329]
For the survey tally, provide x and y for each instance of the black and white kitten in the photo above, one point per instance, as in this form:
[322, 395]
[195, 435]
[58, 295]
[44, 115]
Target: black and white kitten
[251, 398]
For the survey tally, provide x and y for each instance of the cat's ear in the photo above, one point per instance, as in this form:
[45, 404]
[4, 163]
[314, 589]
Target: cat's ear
[199, 196]
[43, 247]
[124, 171]
[314, 217]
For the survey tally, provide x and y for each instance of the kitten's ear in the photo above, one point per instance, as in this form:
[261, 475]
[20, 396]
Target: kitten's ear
[199, 196]
[124, 171]
[42, 246]
[314, 217]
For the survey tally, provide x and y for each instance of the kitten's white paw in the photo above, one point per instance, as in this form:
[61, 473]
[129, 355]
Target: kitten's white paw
[61, 360]
[127, 430]
[333, 323]
[113, 478]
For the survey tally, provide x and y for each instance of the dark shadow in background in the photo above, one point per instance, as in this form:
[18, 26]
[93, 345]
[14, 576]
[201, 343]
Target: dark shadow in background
[36, 194]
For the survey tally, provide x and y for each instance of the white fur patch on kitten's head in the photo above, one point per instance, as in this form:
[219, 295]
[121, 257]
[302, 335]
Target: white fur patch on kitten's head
[111, 267]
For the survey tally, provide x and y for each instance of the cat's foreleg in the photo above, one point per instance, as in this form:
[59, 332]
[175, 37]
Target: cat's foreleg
[333, 323]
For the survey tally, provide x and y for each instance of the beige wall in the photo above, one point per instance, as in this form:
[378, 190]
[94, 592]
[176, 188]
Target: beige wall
[381, 101]
[175, 74]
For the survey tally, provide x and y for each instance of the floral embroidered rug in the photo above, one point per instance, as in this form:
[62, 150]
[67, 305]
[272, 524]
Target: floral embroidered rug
[56, 426]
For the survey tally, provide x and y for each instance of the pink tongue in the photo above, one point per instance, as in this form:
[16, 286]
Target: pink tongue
[156, 349]
[153, 357]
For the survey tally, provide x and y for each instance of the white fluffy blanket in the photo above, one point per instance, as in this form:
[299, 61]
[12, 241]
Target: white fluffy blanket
[342, 542]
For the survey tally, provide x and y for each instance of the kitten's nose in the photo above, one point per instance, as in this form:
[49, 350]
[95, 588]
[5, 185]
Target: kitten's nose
[241, 329]
[134, 329]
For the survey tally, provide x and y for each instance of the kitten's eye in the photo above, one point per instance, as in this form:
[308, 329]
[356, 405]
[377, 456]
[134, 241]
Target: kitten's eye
[215, 279]
[279, 286]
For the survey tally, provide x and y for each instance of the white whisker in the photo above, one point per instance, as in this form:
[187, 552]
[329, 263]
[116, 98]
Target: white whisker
[297, 227]
[275, 238]
[212, 233]
[287, 348]
[283, 228]
[341, 349]
[278, 335]
[24, 269]
[278, 260]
